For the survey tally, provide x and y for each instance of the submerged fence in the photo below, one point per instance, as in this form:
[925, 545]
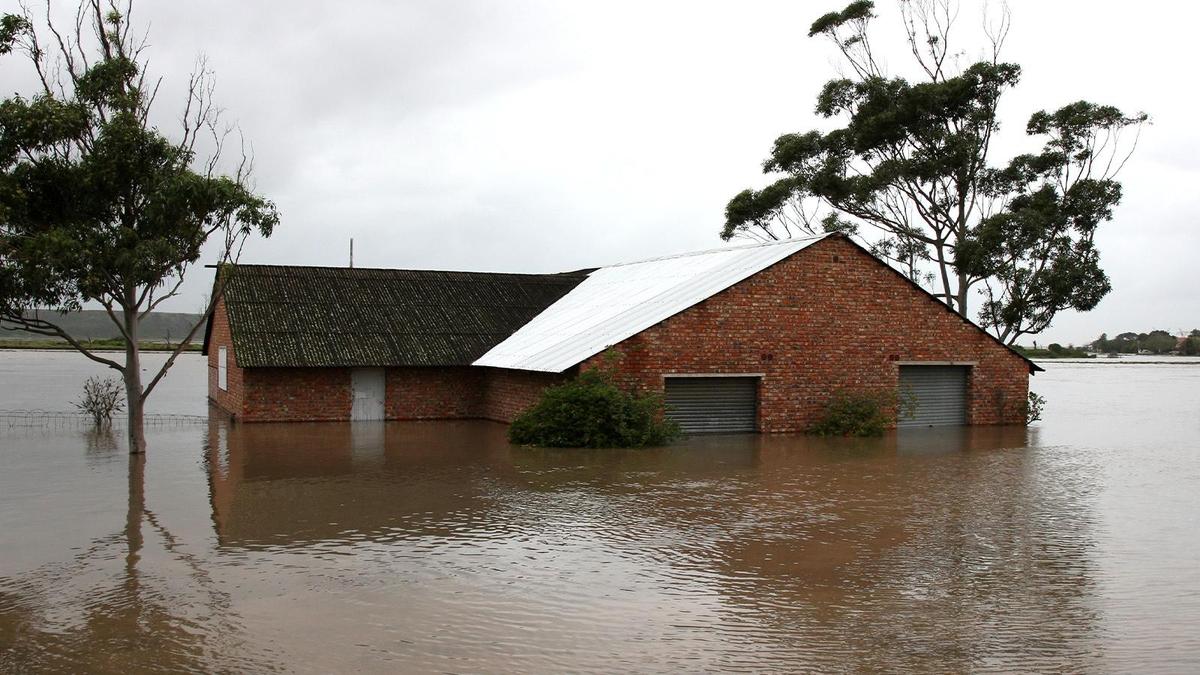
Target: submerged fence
[57, 419]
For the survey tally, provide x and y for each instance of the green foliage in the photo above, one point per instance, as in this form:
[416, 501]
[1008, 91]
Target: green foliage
[1191, 346]
[861, 10]
[911, 160]
[858, 413]
[591, 411]
[1159, 342]
[1041, 248]
[1154, 342]
[101, 398]
[1031, 408]
[1055, 351]
[12, 27]
[96, 204]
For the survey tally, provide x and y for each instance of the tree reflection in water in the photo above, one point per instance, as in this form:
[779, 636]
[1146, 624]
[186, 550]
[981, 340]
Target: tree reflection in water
[101, 612]
[101, 442]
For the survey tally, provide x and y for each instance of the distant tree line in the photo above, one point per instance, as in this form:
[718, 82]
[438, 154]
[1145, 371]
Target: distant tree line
[1054, 351]
[1154, 342]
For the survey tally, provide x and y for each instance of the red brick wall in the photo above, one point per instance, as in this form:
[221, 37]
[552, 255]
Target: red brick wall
[826, 318]
[322, 394]
[296, 395]
[433, 393]
[230, 399]
[508, 393]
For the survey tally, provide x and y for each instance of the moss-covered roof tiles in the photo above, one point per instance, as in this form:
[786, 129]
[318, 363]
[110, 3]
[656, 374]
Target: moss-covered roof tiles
[285, 316]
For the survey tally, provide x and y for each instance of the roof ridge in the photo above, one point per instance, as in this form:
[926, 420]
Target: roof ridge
[581, 272]
[722, 249]
[407, 269]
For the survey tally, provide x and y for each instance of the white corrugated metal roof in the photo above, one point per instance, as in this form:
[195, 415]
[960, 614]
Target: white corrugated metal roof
[619, 301]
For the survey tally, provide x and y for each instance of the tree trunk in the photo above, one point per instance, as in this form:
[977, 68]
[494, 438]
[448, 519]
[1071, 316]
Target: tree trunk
[948, 295]
[133, 400]
[962, 294]
[133, 537]
[133, 385]
[133, 515]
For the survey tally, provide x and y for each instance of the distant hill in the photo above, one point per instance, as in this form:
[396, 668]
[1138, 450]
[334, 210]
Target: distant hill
[94, 324]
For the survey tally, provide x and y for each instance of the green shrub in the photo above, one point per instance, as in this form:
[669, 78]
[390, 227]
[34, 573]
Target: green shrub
[857, 413]
[1031, 408]
[591, 411]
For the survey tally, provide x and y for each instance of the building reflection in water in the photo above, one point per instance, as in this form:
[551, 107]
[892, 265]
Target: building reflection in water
[295, 484]
[942, 547]
[956, 549]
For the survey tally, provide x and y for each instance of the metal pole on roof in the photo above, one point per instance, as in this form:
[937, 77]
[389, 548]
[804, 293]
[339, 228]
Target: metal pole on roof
[351, 252]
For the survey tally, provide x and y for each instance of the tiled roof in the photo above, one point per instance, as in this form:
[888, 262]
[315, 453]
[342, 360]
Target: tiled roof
[284, 316]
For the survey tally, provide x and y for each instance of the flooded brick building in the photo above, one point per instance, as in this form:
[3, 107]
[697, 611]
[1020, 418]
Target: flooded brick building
[752, 338]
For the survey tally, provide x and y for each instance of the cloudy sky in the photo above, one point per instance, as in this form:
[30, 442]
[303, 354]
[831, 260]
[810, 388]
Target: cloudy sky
[548, 136]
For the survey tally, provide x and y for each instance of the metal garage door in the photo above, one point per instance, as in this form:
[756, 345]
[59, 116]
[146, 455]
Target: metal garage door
[713, 404]
[939, 395]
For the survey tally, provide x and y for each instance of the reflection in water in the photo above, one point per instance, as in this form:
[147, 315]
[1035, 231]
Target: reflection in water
[291, 485]
[904, 566]
[101, 611]
[438, 547]
[101, 443]
[906, 551]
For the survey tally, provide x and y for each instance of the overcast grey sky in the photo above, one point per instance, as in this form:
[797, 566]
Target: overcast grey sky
[548, 136]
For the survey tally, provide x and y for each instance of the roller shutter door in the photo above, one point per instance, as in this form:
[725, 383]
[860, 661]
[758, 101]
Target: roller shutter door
[940, 394]
[713, 404]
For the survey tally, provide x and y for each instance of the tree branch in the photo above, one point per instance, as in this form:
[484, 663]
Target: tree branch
[218, 292]
[43, 327]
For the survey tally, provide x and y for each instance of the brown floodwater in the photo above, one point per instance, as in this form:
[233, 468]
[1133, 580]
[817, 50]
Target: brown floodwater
[419, 547]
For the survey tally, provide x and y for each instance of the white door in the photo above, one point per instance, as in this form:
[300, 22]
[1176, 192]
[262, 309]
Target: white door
[368, 387]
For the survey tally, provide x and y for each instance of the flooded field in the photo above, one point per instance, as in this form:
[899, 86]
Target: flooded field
[418, 547]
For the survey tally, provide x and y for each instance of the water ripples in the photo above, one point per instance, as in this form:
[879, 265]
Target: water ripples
[441, 548]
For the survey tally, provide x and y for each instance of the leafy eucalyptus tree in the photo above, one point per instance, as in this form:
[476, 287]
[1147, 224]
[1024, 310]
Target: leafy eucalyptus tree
[910, 160]
[97, 205]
